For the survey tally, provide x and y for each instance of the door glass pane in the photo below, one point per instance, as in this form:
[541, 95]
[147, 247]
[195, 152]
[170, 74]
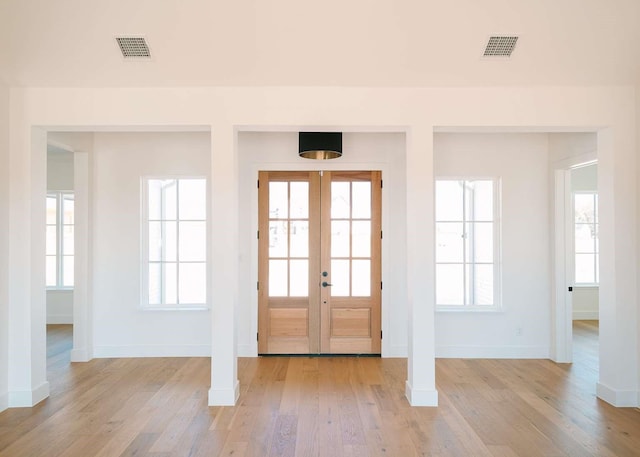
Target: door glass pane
[67, 271]
[584, 208]
[449, 242]
[585, 268]
[449, 285]
[52, 240]
[193, 241]
[299, 235]
[67, 209]
[162, 199]
[361, 278]
[193, 283]
[448, 200]
[299, 200]
[278, 278]
[51, 271]
[339, 278]
[277, 238]
[361, 238]
[339, 238]
[480, 200]
[340, 200]
[67, 240]
[51, 210]
[170, 283]
[299, 274]
[155, 283]
[278, 200]
[361, 206]
[483, 285]
[584, 238]
[480, 237]
[192, 197]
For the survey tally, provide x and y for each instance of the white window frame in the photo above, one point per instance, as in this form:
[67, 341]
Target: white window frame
[60, 196]
[144, 245]
[497, 249]
[596, 250]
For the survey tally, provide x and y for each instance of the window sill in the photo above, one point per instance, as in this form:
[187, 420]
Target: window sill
[59, 289]
[468, 309]
[175, 308]
[586, 286]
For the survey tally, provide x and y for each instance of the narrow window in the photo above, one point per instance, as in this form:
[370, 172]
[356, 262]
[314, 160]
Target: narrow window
[467, 244]
[59, 272]
[585, 206]
[175, 243]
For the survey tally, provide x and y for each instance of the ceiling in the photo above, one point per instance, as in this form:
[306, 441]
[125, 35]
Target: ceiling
[72, 43]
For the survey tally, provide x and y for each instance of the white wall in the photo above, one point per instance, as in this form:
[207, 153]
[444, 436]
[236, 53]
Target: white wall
[4, 245]
[361, 151]
[585, 298]
[121, 327]
[521, 328]
[60, 178]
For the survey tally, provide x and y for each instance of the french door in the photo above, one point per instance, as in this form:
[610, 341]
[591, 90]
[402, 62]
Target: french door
[319, 267]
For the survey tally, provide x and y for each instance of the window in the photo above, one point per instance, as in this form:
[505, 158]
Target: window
[59, 240]
[467, 244]
[586, 237]
[174, 243]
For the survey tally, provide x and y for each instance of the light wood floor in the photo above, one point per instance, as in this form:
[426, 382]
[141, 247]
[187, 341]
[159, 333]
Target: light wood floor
[321, 407]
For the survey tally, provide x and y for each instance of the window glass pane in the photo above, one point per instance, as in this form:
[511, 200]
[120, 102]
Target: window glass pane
[597, 211]
[480, 242]
[449, 285]
[68, 209]
[339, 238]
[278, 238]
[278, 278]
[278, 200]
[361, 238]
[67, 271]
[67, 240]
[585, 268]
[162, 241]
[155, 284]
[584, 238]
[51, 271]
[361, 206]
[162, 199]
[193, 283]
[299, 274]
[449, 242]
[170, 283]
[299, 238]
[170, 241]
[192, 199]
[449, 201]
[584, 208]
[361, 278]
[193, 241]
[52, 203]
[340, 200]
[480, 200]
[299, 200]
[339, 278]
[483, 287]
[52, 240]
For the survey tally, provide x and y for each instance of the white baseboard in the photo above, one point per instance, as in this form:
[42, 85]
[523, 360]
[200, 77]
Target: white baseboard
[59, 319]
[4, 401]
[28, 398]
[492, 352]
[184, 350]
[247, 350]
[421, 397]
[395, 351]
[224, 397]
[80, 355]
[618, 398]
[586, 315]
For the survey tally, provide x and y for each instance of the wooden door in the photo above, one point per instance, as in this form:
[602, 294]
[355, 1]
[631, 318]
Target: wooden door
[319, 262]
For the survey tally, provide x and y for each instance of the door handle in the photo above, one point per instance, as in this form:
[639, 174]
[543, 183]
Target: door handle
[326, 284]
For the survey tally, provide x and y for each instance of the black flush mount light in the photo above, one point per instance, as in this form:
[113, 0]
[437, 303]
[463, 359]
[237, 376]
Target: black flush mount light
[320, 145]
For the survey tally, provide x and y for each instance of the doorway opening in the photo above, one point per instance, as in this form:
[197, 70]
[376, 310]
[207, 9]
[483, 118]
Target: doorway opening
[319, 262]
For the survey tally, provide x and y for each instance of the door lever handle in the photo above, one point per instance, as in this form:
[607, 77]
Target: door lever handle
[326, 284]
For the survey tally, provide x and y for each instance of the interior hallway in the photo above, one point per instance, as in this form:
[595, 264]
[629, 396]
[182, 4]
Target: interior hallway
[320, 407]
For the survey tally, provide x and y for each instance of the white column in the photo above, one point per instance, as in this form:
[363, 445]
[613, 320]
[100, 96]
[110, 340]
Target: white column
[224, 266]
[82, 324]
[420, 386]
[617, 193]
[27, 299]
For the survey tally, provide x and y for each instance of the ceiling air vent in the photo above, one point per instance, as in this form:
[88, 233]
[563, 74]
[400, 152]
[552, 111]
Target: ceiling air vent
[133, 47]
[501, 46]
